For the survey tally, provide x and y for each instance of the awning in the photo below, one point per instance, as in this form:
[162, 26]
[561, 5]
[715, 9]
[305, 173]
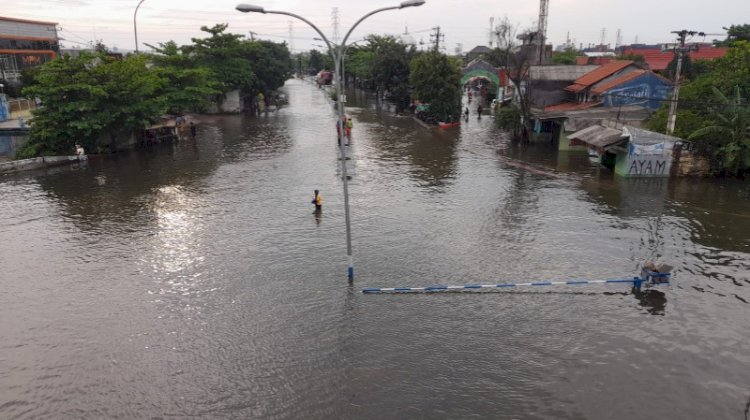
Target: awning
[599, 137]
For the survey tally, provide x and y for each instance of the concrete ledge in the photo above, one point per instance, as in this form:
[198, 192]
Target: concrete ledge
[38, 163]
[422, 123]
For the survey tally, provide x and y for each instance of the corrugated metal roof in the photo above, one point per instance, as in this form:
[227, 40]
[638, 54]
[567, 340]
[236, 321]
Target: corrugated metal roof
[646, 137]
[571, 106]
[563, 73]
[577, 124]
[39, 22]
[598, 75]
[599, 136]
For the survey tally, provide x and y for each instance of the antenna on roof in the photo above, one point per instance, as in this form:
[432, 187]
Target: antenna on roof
[492, 28]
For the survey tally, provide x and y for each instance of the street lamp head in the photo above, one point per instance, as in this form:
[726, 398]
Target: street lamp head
[411, 3]
[247, 8]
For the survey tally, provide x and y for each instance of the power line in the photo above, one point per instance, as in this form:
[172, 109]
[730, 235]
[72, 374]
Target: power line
[436, 38]
[681, 102]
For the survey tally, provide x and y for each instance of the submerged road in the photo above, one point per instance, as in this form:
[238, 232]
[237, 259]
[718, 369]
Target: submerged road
[195, 280]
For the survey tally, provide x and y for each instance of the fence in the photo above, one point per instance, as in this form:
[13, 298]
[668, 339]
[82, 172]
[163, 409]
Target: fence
[21, 107]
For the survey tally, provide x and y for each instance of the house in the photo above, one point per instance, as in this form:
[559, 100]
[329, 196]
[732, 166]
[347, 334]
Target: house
[614, 93]
[621, 83]
[24, 44]
[639, 87]
[582, 86]
[635, 152]
[548, 83]
[556, 123]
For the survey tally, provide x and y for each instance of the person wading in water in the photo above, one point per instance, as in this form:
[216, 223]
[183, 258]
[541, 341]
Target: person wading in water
[318, 201]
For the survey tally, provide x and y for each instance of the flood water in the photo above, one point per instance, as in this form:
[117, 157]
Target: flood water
[194, 280]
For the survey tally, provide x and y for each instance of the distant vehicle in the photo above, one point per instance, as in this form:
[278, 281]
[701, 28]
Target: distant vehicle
[324, 78]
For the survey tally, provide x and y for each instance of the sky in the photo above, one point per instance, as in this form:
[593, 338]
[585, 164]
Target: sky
[464, 22]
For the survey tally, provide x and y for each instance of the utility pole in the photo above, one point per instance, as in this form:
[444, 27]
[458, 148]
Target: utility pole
[680, 49]
[436, 38]
[542, 28]
[618, 38]
[291, 37]
[335, 24]
[492, 29]
[252, 35]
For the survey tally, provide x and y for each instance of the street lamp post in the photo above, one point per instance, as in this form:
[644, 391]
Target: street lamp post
[135, 25]
[336, 52]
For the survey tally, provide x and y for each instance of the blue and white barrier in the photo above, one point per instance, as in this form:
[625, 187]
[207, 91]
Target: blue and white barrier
[649, 278]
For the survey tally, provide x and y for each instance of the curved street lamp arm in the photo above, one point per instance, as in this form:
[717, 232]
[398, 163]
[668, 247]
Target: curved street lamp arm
[365, 17]
[135, 26]
[325, 39]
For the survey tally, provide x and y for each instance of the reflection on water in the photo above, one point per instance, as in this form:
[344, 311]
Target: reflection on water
[653, 300]
[192, 279]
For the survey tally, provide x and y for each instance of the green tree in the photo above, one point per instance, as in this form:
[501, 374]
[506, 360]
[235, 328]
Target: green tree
[498, 57]
[517, 66]
[636, 58]
[389, 68]
[565, 57]
[186, 87]
[271, 63]
[250, 66]
[437, 81]
[686, 71]
[223, 54]
[319, 61]
[732, 130]
[358, 65]
[735, 33]
[696, 95]
[87, 97]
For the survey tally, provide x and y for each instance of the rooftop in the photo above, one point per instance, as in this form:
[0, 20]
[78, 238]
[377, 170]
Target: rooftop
[658, 59]
[598, 75]
[39, 22]
[565, 73]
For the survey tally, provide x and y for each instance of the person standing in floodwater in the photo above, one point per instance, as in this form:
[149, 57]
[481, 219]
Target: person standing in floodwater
[192, 129]
[479, 111]
[349, 124]
[318, 201]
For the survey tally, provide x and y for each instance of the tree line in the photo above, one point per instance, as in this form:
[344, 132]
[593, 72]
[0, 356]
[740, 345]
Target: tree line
[713, 110]
[99, 95]
[398, 72]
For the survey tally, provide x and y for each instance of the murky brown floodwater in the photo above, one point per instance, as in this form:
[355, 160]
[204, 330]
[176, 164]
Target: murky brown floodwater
[194, 281]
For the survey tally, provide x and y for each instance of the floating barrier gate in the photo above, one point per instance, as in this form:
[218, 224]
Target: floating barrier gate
[648, 278]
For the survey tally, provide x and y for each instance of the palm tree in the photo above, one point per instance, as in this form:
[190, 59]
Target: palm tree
[732, 126]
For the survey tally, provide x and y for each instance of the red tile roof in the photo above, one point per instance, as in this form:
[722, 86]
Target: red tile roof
[658, 60]
[598, 74]
[601, 88]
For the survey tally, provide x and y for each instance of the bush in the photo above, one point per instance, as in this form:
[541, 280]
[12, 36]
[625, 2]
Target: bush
[508, 118]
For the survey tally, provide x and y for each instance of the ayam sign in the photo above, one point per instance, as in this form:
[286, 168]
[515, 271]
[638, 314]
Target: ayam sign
[648, 159]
